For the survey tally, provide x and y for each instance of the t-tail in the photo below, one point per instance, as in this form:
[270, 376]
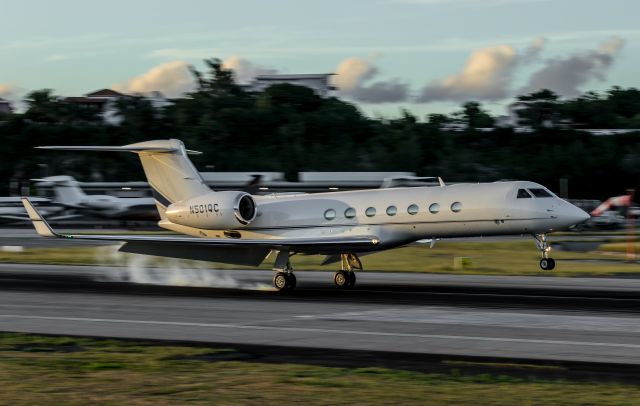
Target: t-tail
[170, 173]
[66, 188]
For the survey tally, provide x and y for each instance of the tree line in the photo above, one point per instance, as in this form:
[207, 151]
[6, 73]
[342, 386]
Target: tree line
[290, 129]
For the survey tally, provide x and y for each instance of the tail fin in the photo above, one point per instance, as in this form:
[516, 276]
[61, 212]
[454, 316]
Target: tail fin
[66, 189]
[169, 171]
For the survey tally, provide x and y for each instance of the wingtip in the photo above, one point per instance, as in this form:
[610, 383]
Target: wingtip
[39, 223]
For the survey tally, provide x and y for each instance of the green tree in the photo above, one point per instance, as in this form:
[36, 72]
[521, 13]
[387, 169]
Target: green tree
[474, 116]
[538, 109]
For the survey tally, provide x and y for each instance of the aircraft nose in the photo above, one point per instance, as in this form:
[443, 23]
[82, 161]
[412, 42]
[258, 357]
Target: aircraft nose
[575, 215]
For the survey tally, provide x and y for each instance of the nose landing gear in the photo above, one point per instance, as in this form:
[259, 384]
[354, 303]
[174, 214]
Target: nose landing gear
[346, 277]
[546, 263]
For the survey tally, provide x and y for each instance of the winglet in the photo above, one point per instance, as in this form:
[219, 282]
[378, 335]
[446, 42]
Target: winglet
[42, 227]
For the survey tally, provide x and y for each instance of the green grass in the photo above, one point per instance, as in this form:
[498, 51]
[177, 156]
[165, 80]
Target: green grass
[487, 258]
[38, 370]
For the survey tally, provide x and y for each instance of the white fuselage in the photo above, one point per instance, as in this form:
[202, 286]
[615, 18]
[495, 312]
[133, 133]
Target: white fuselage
[400, 215]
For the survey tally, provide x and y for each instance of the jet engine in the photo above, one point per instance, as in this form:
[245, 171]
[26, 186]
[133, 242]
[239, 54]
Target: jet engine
[214, 211]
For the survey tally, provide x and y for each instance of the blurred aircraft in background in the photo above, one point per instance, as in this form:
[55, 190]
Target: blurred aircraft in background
[238, 228]
[69, 194]
[12, 209]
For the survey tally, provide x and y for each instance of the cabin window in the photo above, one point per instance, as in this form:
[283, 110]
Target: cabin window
[392, 210]
[370, 212]
[413, 209]
[456, 207]
[330, 214]
[540, 193]
[523, 194]
[434, 208]
[350, 213]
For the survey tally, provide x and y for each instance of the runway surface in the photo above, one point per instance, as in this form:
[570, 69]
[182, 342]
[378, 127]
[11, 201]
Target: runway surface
[568, 319]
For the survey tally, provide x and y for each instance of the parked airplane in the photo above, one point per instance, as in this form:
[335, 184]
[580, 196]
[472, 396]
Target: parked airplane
[12, 209]
[238, 228]
[69, 194]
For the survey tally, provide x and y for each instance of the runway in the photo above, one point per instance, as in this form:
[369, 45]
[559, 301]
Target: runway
[565, 319]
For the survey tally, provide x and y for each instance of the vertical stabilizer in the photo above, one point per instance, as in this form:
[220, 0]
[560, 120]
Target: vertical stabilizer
[66, 189]
[169, 171]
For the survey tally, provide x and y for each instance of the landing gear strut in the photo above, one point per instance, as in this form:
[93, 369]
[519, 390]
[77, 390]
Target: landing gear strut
[284, 279]
[346, 277]
[546, 263]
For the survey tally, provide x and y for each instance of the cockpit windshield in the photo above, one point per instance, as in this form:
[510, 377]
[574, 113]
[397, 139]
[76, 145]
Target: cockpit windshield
[523, 194]
[540, 193]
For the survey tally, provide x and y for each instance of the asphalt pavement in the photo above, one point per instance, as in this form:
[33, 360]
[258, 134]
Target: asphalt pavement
[539, 318]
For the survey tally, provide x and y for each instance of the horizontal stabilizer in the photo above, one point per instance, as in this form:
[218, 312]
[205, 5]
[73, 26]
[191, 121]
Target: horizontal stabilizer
[107, 148]
[136, 148]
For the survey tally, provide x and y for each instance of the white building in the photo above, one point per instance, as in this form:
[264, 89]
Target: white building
[319, 83]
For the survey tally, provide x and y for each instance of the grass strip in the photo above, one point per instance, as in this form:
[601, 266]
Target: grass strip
[48, 370]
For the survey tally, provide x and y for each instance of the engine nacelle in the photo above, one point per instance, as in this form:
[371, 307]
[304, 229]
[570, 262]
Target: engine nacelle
[214, 211]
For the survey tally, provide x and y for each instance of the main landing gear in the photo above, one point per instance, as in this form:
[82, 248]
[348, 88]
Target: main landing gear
[346, 277]
[284, 279]
[546, 263]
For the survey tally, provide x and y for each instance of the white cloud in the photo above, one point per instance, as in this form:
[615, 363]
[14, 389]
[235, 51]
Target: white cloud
[244, 70]
[172, 79]
[487, 75]
[13, 94]
[7, 91]
[352, 80]
[565, 75]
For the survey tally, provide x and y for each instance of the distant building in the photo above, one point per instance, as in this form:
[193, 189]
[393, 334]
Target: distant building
[101, 101]
[319, 83]
[5, 107]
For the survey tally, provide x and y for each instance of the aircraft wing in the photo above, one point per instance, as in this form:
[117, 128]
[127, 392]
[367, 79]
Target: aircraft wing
[315, 244]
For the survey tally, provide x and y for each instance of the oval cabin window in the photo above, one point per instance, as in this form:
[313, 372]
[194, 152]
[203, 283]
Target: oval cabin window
[456, 207]
[330, 214]
[413, 209]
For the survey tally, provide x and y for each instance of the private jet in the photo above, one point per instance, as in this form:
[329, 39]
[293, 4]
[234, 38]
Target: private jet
[238, 228]
[68, 193]
[12, 209]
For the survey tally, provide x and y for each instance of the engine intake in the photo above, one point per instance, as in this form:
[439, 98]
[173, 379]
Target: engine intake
[245, 209]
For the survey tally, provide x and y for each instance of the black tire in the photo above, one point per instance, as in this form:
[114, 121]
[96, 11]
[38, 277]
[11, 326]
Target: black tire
[552, 264]
[280, 281]
[291, 281]
[341, 279]
[352, 279]
[545, 264]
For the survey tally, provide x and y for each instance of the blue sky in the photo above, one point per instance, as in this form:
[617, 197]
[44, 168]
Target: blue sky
[392, 54]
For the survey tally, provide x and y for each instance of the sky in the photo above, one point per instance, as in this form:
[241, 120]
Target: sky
[426, 56]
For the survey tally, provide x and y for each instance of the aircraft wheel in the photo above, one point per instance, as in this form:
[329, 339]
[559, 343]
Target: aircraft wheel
[352, 279]
[291, 281]
[280, 281]
[547, 264]
[341, 279]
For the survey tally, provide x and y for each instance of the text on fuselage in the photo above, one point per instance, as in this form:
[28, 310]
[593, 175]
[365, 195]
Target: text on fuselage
[204, 208]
